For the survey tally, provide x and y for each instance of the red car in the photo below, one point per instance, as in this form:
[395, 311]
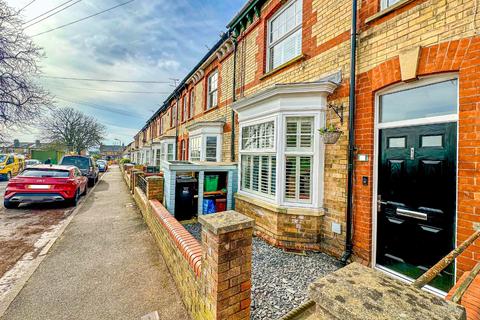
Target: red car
[46, 184]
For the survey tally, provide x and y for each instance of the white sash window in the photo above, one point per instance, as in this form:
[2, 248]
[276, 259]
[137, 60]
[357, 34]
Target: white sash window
[285, 35]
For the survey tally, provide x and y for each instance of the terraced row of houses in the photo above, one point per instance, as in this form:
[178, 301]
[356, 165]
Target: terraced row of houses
[399, 79]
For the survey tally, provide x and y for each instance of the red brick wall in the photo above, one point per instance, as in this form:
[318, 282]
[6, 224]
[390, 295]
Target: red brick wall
[463, 57]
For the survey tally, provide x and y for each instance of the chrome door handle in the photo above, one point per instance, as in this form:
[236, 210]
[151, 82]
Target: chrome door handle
[412, 214]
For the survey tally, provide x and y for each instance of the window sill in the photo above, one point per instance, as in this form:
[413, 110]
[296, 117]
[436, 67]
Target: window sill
[388, 10]
[278, 208]
[283, 66]
[210, 110]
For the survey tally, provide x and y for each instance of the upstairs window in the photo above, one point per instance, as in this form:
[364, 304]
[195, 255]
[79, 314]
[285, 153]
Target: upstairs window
[388, 3]
[184, 109]
[212, 97]
[192, 104]
[285, 35]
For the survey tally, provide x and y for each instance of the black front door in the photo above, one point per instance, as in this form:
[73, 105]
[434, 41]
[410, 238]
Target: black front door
[417, 199]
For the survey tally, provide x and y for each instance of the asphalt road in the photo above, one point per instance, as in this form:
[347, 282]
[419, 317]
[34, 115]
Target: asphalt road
[3, 185]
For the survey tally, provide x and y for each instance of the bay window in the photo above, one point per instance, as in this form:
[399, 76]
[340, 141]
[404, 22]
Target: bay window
[206, 138]
[195, 147]
[211, 149]
[285, 34]
[281, 151]
[212, 93]
[205, 148]
[298, 158]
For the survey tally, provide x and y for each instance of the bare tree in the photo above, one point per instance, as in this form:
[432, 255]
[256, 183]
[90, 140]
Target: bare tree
[73, 129]
[21, 100]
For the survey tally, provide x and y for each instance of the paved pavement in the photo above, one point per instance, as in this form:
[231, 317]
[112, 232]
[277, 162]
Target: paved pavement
[105, 266]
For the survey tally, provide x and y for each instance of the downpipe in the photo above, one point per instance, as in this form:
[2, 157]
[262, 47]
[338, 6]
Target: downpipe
[234, 98]
[351, 137]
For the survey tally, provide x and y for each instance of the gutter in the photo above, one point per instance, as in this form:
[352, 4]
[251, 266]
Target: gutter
[234, 98]
[351, 136]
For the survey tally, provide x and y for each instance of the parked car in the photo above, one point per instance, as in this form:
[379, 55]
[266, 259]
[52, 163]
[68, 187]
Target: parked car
[10, 165]
[46, 184]
[86, 164]
[102, 165]
[32, 162]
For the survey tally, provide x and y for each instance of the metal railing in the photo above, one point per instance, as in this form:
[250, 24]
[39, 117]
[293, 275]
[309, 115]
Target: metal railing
[142, 183]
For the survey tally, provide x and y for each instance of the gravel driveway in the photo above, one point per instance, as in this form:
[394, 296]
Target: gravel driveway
[280, 279]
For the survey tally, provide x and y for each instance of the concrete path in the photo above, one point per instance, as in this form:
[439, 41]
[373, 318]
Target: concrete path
[105, 266]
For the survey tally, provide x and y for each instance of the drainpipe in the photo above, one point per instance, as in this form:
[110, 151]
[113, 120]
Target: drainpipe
[176, 126]
[351, 135]
[234, 98]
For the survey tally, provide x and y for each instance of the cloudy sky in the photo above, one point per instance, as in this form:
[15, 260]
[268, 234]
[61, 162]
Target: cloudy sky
[153, 40]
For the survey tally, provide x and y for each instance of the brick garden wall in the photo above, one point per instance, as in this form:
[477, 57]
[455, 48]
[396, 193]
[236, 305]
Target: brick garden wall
[214, 276]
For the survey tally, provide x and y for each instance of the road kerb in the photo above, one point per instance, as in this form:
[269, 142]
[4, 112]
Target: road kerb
[12, 292]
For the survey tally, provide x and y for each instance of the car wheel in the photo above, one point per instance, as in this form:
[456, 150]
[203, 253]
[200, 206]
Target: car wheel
[84, 193]
[10, 205]
[73, 202]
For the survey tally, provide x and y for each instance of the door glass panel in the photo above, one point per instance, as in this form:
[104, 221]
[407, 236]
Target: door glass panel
[432, 141]
[397, 142]
[428, 101]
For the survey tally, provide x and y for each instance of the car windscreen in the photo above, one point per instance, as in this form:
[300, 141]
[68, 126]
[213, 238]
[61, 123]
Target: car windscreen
[44, 173]
[30, 162]
[79, 162]
[3, 157]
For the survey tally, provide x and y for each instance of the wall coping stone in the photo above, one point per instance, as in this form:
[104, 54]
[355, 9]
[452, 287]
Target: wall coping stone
[153, 178]
[225, 222]
[359, 292]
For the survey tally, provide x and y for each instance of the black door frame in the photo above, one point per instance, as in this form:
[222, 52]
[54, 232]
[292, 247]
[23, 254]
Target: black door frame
[376, 155]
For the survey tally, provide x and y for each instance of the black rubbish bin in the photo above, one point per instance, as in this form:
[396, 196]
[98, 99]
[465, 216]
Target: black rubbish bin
[185, 191]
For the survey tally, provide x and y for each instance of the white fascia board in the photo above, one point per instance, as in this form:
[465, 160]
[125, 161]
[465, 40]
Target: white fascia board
[285, 97]
[206, 127]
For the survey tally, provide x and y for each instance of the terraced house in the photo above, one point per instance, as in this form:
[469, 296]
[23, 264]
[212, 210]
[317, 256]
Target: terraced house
[255, 125]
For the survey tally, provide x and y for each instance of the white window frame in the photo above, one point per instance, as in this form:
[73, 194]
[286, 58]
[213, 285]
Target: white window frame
[384, 4]
[259, 150]
[270, 45]
[280, 151]
[197, 140]
[191, 106]
[203, 146]
[298, 153]
[211, 92]
[185, 108]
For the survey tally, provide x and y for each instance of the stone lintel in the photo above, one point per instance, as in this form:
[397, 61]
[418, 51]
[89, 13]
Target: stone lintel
[359, 292]
[225, 222]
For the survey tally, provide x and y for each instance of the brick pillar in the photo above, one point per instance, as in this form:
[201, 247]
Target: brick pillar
[227, 264]
[155, 188]
[133, 178]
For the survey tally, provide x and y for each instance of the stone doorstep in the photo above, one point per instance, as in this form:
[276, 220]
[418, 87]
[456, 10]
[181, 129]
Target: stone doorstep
[358, 292]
